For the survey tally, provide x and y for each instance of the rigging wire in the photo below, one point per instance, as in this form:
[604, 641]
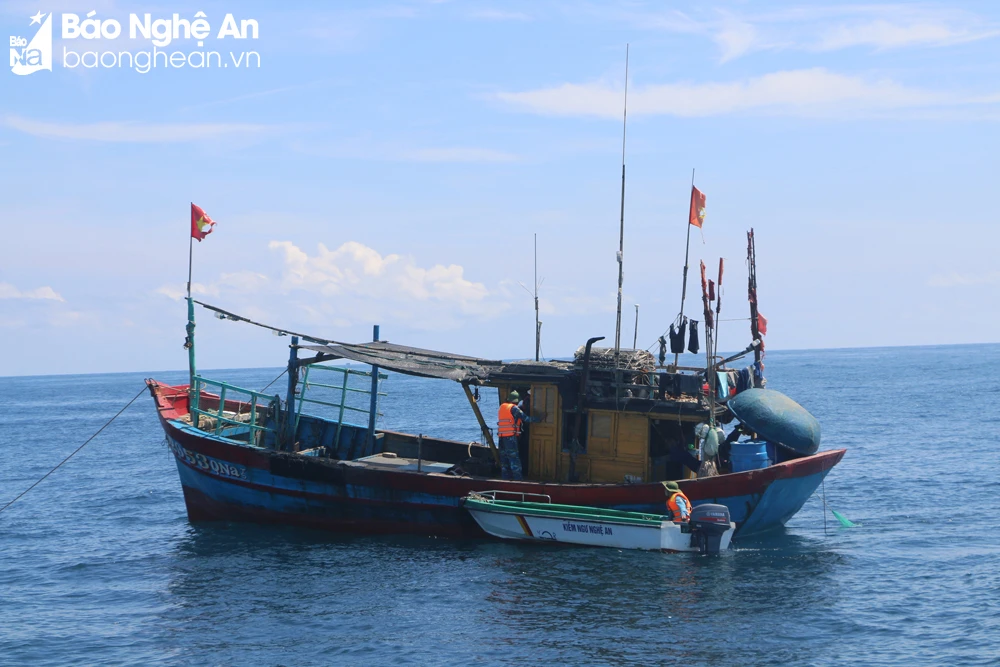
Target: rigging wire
[226, 315]
[108, 423]
[272, 381]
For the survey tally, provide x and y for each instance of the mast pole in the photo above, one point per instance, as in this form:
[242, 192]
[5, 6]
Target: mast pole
[190, 257]
[189, 341]
[752, 292]
[635, 332]
[538, 325]
[687, 253]
[621, 231]
[709, 371]
[373, 398]
[718, 311]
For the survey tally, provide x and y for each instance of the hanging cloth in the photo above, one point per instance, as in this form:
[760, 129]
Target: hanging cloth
[693, 338]
[663, 348]
[745, 379]
[677, 337]
[722, 384]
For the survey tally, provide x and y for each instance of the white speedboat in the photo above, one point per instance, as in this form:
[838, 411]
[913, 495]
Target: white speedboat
[517, 518]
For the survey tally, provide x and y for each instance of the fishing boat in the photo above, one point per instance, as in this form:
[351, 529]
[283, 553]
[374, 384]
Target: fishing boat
[539, 520]
[610, 433]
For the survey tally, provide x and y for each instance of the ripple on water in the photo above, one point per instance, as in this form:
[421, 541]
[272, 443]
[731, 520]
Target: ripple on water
[102, 567]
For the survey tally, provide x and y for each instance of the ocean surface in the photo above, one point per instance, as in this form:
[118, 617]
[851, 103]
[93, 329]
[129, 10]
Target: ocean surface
[99, 565]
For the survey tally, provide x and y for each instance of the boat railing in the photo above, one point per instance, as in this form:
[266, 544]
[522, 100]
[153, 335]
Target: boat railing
[500, 494]
[249, 404]
[338, 392]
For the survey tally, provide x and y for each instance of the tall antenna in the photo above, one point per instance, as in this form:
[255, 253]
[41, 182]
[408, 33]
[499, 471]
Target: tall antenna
[621, 232]
[635, 332]
[538, 323]
[534, 294]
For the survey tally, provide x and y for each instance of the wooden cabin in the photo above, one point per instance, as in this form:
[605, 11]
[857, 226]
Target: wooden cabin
[632, 419]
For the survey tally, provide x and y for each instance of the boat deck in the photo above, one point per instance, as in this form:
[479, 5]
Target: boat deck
[389, 461]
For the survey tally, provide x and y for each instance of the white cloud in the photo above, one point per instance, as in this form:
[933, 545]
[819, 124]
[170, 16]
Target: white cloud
[240, 282]
[735, 38]
[814, 91]
[46, 293]
[357, 284]
[131, 132]
[884, 34]
[359, 270]
[956, 279]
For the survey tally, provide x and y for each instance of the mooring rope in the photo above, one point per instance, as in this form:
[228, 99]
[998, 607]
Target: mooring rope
[108, 423]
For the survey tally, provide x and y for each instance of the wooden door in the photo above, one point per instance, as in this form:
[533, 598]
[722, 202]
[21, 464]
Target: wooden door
[543, 440]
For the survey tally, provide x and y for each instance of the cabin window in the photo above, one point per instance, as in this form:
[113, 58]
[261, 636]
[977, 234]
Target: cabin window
[600, 425]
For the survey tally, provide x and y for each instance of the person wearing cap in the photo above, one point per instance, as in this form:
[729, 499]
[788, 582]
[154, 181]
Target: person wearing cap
[678, 505]
[509, 420]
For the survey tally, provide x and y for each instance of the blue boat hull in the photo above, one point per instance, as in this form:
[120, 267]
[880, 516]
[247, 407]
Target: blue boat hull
[219, 485]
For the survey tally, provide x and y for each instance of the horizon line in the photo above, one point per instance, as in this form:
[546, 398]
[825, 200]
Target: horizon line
[251, 368]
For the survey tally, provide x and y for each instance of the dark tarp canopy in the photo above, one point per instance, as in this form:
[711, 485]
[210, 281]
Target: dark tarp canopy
[442, 365]
[412, 360]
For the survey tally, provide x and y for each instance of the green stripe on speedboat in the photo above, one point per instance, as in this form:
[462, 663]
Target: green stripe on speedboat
[573, 512]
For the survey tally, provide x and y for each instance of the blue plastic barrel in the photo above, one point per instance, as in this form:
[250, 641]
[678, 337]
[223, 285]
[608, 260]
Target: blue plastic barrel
[749, 455]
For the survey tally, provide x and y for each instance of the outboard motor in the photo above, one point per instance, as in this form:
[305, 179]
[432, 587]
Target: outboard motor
[708, 524]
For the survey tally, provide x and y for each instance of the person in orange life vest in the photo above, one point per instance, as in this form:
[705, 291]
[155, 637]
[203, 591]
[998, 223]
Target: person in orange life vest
[678, 505]
[509, 421]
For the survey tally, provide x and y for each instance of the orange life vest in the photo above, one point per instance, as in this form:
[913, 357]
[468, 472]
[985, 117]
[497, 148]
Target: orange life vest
[508, 426]
[674, 511]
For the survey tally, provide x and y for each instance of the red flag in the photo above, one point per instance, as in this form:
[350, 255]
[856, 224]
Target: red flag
[711, 291]
[201, 224]
[697, 215]
[761, 324]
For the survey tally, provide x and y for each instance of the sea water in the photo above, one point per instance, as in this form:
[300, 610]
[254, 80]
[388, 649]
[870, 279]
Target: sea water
[100, 566]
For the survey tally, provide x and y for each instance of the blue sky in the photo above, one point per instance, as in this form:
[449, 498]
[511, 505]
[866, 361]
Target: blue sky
[389, 163]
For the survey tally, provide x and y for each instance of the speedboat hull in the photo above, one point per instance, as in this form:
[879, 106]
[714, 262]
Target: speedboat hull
[535, 522]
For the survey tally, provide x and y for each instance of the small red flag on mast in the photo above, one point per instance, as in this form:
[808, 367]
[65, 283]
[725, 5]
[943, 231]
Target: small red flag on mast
[697, 215]
[201, 224]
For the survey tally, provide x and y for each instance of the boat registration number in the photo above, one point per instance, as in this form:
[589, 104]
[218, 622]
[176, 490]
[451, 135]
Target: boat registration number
[207, 462]
[586, 528]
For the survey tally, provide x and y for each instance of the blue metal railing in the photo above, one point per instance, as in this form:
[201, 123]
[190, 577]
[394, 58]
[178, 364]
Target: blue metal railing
[339, 392]
[253, 401]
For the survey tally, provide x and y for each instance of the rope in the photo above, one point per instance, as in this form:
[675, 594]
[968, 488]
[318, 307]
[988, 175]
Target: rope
[281, 332]
[108, 423]
[272, 381]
